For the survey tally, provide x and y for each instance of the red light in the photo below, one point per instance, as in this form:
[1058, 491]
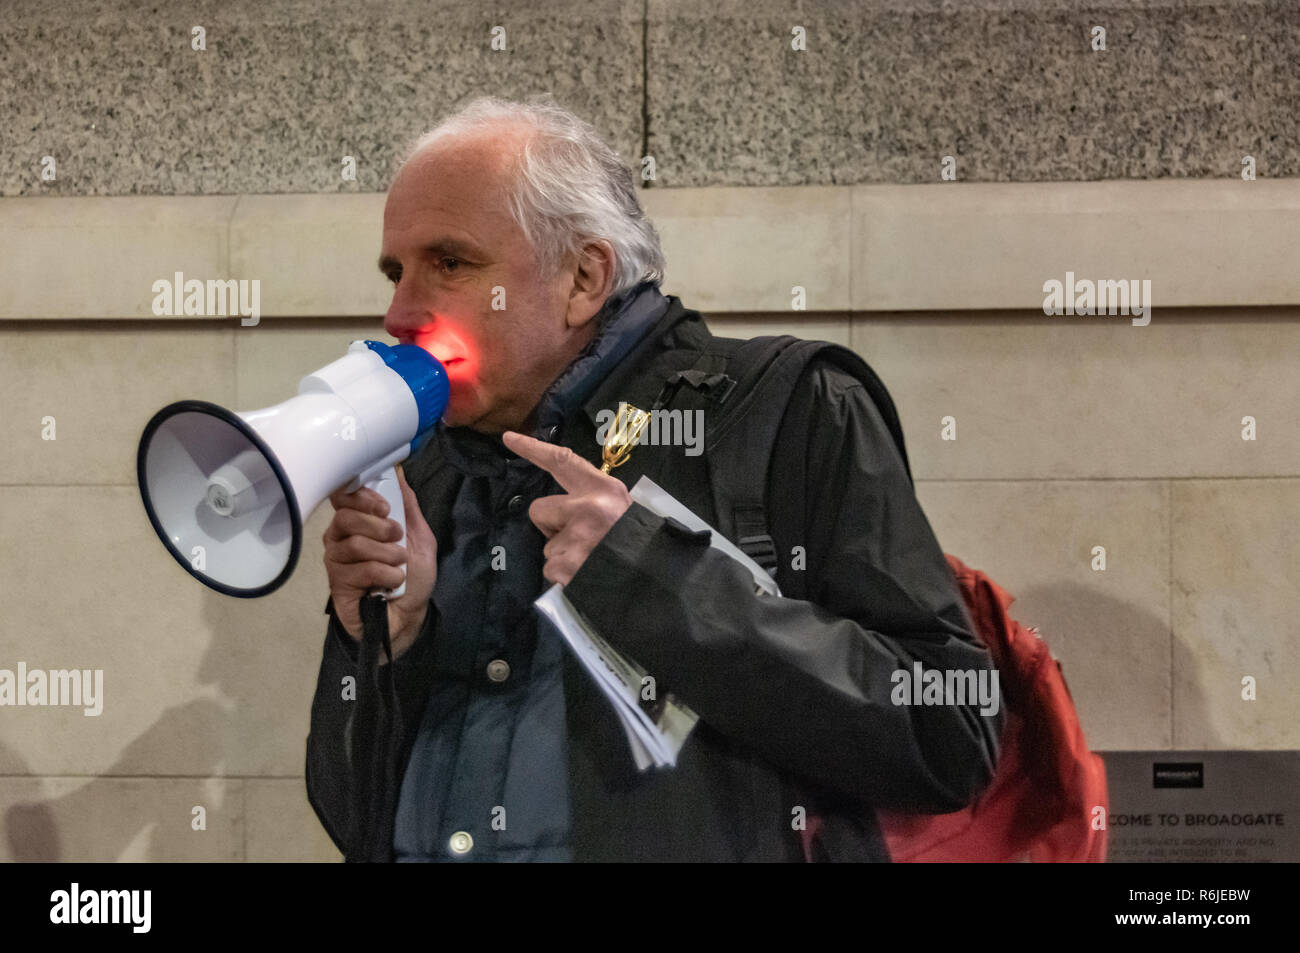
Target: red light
[451, 350]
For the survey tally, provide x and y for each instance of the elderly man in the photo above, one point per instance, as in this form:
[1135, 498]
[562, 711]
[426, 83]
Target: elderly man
[520, 256]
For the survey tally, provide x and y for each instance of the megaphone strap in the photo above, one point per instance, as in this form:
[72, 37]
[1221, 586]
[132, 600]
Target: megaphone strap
[376, 732]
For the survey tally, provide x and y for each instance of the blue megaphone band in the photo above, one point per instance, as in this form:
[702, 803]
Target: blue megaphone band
[426, 377]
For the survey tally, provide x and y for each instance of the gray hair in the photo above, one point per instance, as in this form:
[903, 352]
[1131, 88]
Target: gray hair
[569, 188]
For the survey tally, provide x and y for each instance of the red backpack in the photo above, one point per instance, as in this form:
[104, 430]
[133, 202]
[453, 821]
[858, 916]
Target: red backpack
[1042, 804]
[1047, 800]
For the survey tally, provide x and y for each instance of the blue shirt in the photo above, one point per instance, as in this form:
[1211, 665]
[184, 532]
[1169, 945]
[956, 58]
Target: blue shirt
[488, 776]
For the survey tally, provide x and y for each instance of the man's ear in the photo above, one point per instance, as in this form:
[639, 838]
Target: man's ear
[593, 279]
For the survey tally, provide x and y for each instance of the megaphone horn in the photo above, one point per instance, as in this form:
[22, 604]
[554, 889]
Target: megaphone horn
[228, 492]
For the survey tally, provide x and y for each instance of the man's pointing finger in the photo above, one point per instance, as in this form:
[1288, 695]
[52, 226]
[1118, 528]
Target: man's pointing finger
[572, 472]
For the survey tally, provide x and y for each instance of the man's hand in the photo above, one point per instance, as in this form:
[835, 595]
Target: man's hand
[576, 521]
[362, 554]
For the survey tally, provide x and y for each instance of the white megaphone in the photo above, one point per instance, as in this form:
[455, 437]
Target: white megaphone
[228, 493]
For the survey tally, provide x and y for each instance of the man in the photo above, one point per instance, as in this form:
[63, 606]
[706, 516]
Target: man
[520, 257]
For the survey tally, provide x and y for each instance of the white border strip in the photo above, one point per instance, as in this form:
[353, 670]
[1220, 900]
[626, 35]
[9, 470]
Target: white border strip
[1206, 243]
[943, 247]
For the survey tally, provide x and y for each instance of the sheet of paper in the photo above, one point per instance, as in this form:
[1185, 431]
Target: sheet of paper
[656, 729]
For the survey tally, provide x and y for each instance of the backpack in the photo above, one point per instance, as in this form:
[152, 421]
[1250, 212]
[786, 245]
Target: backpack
[1047, 800]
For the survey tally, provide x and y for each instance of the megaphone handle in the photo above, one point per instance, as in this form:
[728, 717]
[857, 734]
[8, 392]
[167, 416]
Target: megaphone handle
[386, 485]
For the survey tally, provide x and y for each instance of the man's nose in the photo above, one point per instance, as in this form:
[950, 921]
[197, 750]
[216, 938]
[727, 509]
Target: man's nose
[407, 315]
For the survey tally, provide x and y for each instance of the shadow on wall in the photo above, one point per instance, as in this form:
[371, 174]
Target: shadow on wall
[133, 811]
[1113, 653]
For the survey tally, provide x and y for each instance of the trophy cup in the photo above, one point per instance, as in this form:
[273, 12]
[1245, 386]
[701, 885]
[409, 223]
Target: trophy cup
[622, 436]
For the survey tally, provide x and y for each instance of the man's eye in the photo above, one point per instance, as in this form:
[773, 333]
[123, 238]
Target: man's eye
[453, 263]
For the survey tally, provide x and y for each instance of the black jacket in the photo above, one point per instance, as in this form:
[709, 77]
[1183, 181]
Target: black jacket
[794, 696]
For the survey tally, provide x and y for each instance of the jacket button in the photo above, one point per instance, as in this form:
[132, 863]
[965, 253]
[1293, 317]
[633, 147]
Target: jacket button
[553, 431]
[516, 504]
[460, 843]
[498, 670]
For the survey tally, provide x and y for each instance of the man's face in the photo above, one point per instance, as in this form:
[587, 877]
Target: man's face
[448, 242]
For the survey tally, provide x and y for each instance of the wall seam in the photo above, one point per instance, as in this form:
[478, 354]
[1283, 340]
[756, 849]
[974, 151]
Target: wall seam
[1169, 608]
[645, 87]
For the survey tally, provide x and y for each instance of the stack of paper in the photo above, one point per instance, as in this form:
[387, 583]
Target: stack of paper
[656, 727]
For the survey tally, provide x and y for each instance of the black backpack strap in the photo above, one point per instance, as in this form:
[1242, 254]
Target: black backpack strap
[742, 431]
[767, 368]
[706, 383]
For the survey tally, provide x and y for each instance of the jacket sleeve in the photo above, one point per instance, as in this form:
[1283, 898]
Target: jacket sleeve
[807, 684]
[329, 768]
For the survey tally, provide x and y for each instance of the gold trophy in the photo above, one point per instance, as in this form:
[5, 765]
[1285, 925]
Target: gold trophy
[622, 436]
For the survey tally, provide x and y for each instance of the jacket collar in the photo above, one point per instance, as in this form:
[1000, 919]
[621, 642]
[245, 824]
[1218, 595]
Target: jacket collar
[625, 322]
[638, 379]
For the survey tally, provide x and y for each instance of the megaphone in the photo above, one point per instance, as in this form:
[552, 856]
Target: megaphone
[228, 492]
